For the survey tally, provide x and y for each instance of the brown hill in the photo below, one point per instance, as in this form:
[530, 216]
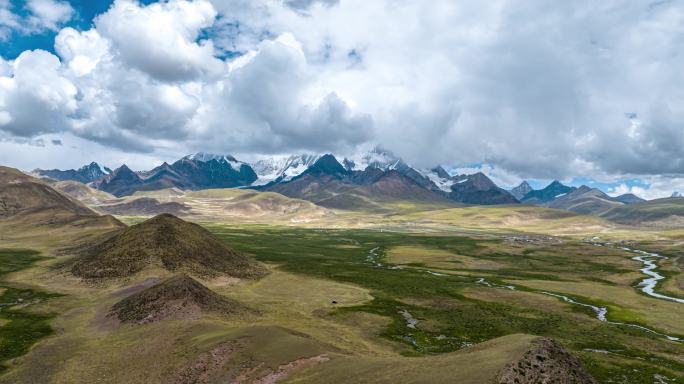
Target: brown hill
[27, 202]
[546, 362]
[180, 296]
[168, 242]
[21, 194]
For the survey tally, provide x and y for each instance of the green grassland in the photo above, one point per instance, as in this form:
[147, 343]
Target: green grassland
[451, 314]
[21, 326]
[328, 297]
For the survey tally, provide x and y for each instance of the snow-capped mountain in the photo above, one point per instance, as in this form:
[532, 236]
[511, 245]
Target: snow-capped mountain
[373, 169]
[282, 168]
[376, 157]
[441, 178]
[207, 157]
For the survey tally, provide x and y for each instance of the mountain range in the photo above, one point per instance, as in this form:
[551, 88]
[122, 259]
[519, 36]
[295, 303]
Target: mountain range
[367, 180]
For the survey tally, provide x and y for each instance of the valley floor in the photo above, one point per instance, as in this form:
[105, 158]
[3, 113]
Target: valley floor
[423, 297]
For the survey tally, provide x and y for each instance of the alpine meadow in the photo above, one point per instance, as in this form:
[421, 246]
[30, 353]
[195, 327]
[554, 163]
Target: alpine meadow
[341, 191]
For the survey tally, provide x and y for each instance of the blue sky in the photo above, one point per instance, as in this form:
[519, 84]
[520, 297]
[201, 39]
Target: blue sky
[85, 12]
[585, 92]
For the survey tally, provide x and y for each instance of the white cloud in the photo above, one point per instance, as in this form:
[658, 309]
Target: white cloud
[655, 187]
[41, 15]
[49, 14]
[266, 104]
[9, 21]
[502, 178]
[161, 39]
[579, 89]
[82, 51]
[36, 98]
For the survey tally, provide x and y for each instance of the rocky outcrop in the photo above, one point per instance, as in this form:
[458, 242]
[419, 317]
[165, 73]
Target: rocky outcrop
[547, 362]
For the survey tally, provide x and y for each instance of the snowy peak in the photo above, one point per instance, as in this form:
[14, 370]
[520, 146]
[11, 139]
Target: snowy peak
[375, 157]
[440, 177]
[282, 168]
[205, 157]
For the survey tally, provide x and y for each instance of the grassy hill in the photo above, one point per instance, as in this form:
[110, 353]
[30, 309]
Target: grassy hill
[180, 296]
[164, 241]
[660, 213]
[32, 209]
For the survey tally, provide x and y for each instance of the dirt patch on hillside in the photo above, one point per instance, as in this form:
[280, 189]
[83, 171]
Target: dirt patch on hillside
[206, 367]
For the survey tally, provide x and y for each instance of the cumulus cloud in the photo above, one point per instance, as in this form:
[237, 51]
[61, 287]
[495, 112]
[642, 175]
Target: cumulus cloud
[37, 98]
[162, 39]
[651, 187]
[265, 104]
[38, 16]
[579, 89]
[141, 79]
[49, 14]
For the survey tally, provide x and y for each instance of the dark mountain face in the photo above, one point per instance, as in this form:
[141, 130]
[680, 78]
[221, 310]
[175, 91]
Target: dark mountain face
[123, 181]
[191, 172]
[441, 172]
[479, 189]
[214, 173]
[417, 177]
[521, 190]
[85, 174]
[550, 192]
[327, 165]
[164, 176]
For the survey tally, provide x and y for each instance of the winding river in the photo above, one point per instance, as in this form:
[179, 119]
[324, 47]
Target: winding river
[650, 268]
[647, 286]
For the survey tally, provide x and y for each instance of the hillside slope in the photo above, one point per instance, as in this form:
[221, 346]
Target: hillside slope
[585, 200]
[668, 212]
[179, 296]
[167, 242]
[27, 203]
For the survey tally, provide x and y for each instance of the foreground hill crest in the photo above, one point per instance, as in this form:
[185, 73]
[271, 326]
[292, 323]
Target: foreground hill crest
[167, 242]
[178, 296]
